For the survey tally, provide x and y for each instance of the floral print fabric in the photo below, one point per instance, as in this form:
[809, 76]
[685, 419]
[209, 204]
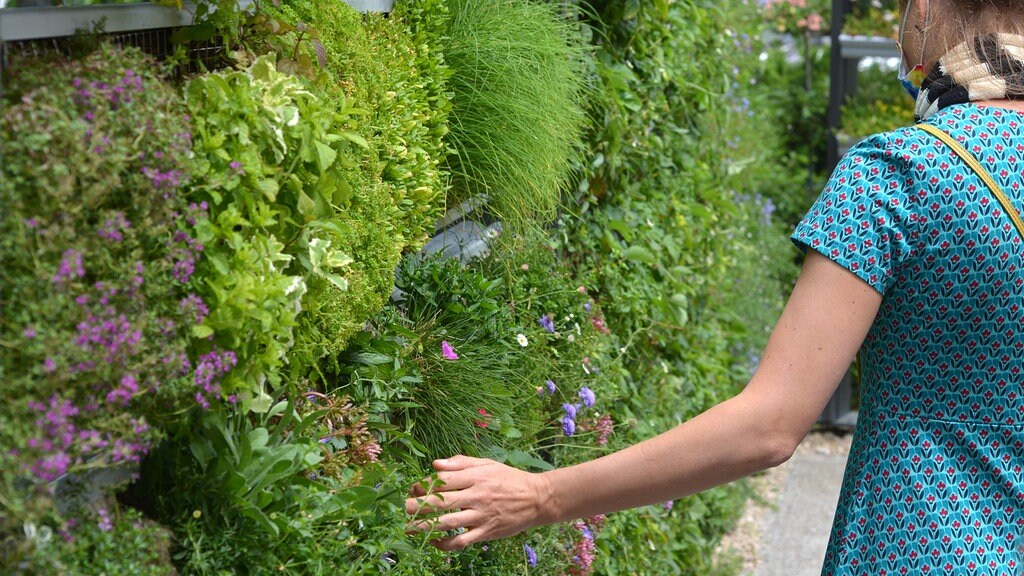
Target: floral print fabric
[935, 479]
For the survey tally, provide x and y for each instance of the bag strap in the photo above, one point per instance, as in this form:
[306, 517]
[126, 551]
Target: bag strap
[980, 171]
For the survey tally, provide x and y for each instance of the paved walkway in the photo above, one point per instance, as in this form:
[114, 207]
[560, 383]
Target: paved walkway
[794, 534]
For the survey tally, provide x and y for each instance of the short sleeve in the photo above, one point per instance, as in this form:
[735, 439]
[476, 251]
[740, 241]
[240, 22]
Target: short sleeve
[861, 220]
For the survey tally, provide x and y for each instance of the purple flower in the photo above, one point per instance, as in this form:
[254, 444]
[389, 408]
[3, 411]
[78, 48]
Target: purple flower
[447, 351]
[194, 304]
[568, 425]
[668, 504]
[29, 333]
[547, 323]
[551, 386]
[588, 397]
[531, 556]
[70, 266]
[212, 367]
[49, 365]
[570, 410]
[114, 227]
[122, 395]
[236, 167]
[104, 523]
[586, 306]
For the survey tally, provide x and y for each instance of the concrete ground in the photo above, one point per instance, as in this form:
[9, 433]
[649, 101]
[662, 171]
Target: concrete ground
[794, 535]
[787, 533]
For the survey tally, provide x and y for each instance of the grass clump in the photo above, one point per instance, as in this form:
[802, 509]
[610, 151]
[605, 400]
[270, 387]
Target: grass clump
[518, 87]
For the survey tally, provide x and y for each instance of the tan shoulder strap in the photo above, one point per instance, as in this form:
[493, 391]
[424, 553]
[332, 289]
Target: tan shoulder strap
[980, 171]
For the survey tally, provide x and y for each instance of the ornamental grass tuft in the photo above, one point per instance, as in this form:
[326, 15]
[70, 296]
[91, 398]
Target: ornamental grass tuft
[518, 88]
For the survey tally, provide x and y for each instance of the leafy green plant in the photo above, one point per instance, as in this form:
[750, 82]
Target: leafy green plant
[389, 69]
[291, 241]
[518, 89]
[882, 107]
[878, 18]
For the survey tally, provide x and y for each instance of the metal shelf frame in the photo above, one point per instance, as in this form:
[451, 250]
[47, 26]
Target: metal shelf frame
[19, 24]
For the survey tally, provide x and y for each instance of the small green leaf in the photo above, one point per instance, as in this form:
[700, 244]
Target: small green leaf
[269, 188]
[261, 403]
[338, 281]
[326, 155]
[202, 331]
[639, 254]
[306, 205]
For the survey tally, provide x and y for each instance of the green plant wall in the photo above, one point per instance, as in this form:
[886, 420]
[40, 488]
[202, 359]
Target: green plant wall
[305, 400]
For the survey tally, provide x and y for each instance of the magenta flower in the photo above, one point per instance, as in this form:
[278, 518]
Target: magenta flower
[447, 351]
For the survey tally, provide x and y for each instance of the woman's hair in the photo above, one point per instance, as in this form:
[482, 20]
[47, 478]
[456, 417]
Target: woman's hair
[953, 22]
[992, 32]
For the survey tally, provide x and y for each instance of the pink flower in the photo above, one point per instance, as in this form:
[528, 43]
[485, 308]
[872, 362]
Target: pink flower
[483, 423]
[447, 352]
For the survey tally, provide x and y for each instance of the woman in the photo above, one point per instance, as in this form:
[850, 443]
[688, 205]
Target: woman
[911, 261]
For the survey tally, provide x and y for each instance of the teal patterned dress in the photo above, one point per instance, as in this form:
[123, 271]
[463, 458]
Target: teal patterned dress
[935, 479]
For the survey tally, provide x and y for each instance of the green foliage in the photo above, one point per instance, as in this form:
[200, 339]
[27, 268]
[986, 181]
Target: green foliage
[114, 541]
[882, 107]
[388, 68]
[653, 294]
[794, 167]
[518, 88]
[468, 404]
[879, 18]
[291, 240]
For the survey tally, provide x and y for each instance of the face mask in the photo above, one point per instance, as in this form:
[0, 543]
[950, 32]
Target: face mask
[913, 79]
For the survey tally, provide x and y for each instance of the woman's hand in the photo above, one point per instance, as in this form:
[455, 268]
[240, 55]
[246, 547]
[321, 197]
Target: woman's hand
[488, 499]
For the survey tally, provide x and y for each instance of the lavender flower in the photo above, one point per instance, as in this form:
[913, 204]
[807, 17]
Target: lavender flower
[587, 396]
[211, 369]
[194, 304]
[551, 386]
[104, 523]
[570, 410]
[568, 425]
[531, 556]
[547, 323]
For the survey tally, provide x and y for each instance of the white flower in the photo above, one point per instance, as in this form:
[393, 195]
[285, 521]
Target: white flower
[571, 338]
[521, 338]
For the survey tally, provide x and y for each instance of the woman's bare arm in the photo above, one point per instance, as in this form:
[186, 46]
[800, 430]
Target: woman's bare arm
[811, 347]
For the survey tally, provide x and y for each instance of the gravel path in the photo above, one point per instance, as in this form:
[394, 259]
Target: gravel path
[784, 530]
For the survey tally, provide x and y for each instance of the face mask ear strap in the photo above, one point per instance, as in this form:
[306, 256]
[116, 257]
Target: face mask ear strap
[903, 27]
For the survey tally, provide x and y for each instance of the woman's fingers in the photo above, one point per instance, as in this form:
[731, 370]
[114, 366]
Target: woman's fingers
[457, 542]
[455, 521]
[444, 482]
[436, 502]
[460, 462]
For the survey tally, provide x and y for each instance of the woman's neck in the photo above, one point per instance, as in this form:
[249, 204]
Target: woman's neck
[1015, 105]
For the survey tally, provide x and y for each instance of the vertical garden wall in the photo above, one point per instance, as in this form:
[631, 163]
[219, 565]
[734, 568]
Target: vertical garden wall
[225, 353]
